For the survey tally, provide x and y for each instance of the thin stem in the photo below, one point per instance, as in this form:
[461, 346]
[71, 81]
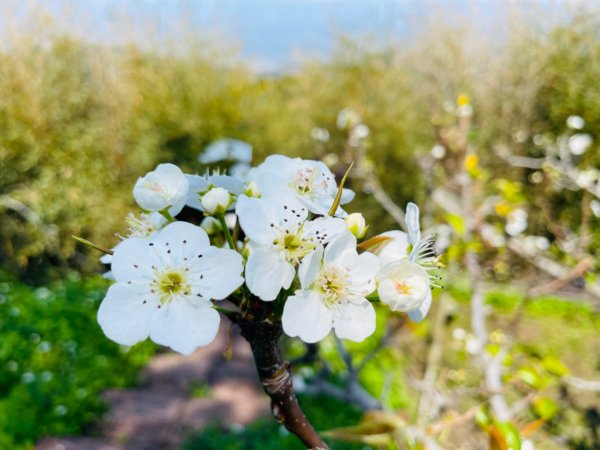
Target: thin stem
[226, 231]
[166, 214]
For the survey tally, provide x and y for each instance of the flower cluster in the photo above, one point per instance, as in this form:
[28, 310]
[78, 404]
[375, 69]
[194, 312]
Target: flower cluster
[273, 233]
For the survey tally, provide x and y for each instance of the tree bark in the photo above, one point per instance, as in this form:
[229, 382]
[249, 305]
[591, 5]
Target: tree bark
[276, 377]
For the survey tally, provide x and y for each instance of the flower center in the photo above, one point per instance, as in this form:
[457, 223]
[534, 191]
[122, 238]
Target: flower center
[402, 287]
[333, 284]
[170, 284]
[294, 245]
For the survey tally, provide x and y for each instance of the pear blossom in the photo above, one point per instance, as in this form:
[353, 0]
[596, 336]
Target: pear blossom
[403, 281]
[575, 122]
[279, 237]
[311, 182]
[166, 187]
[335, 282]
[404, 286]
[200, 186]
[164, 287]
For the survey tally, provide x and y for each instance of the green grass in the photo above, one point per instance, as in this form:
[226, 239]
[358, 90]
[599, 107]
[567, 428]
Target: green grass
[55, 360]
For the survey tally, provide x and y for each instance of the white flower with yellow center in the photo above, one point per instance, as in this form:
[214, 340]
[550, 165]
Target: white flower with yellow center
[164, 188]
[279, 237]
[164, 287]
[311, 182]
[404, 286]
[334, 285]
[403, 281]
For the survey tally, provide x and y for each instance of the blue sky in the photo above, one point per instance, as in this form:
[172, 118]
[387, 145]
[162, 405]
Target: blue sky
[273, 34]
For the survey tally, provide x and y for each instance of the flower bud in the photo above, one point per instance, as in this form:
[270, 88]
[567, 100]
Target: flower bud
[211, 225]
[356, 224]
[165, 187]
[252, 190]
[216, 201]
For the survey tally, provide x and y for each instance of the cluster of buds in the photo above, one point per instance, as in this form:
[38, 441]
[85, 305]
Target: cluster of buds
[277, 233]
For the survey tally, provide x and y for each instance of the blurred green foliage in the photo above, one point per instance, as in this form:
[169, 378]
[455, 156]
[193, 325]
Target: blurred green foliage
[55, 360]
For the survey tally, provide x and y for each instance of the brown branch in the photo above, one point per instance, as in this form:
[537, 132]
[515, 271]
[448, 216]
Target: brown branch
[275, 375]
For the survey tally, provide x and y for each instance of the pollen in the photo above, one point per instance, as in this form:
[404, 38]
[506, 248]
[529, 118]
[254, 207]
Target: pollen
[402, 288]
[170, 284]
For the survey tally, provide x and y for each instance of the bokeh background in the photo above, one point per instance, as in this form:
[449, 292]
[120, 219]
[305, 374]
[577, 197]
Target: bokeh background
[487, 114]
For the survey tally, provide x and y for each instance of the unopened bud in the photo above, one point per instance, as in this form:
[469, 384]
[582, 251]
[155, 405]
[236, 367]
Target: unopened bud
[356, 224]
[216, 201]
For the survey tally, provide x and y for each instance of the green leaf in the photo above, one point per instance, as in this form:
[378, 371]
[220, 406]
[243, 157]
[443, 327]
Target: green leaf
[555, 366]
[338, 196]
[529, 376]
[545, 407]
[457, 223]
[482, 417]
[511, 435]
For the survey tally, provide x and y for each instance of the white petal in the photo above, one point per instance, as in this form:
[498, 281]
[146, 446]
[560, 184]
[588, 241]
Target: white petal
[419, 314]
[354, 320]
[231, 184]
[347, 196]
[393, 249]
[256, 216]
[197, 184]
[267, 272]
[221, 271]
[306, 316]
[324, 229]
[184, 325]
[412, 223]
[342, 250]
[133, 260]
[125, 313]
[362, 273]
[179, 243]
[310, 266]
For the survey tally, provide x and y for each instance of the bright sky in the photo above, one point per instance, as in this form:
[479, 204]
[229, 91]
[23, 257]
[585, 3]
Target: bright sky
[273, 34]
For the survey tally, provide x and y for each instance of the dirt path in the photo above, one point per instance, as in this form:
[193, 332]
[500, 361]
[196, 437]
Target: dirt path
[160, 413]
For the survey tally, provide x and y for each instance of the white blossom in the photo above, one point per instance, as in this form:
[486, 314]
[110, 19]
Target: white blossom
[311, 182]
[279, 237]
[165, 187]
[404, 283]
[404, 286]
[334, 284]
[164, 286]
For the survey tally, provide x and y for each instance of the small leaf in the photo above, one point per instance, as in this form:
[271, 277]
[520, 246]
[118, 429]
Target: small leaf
[529, 376]
[375, 428]
[338, 196]
[545, 407]
[482, 418]
[555, 366]
[457, 223]
[374, 242]
[91, 244]
[511, 435]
